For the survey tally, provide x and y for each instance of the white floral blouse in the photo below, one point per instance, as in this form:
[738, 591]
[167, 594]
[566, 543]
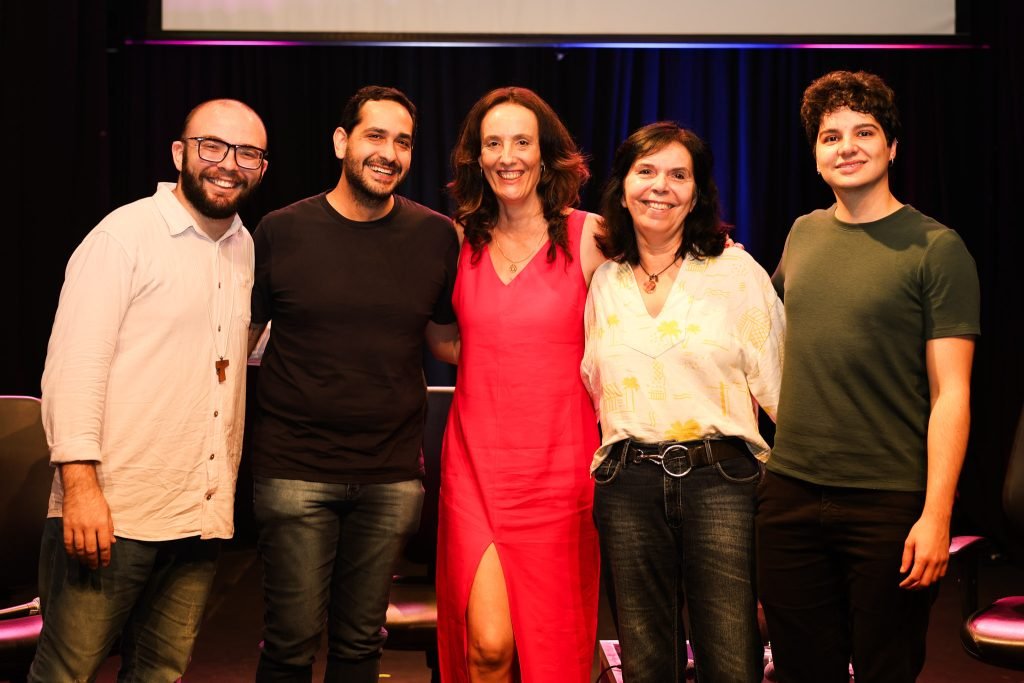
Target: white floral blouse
[694, 370]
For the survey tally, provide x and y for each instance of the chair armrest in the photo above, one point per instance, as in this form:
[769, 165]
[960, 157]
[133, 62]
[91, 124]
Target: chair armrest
[965, 553]
[961, 544]
[28, 609]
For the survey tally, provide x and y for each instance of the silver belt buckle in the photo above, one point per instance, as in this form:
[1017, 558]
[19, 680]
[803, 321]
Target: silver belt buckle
[666, 452]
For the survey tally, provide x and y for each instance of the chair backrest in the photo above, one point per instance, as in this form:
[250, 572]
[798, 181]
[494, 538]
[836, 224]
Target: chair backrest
[422, 547]
[1013, 485]
[25, 478]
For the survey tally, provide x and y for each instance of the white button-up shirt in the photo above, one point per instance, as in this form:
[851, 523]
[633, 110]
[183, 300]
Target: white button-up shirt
[149, 304]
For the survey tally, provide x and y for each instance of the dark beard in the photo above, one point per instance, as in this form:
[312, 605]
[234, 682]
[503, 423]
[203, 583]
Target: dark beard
[195, 193]
[364, 194]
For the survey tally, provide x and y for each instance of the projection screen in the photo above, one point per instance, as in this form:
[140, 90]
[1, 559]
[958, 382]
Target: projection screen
[572, 18]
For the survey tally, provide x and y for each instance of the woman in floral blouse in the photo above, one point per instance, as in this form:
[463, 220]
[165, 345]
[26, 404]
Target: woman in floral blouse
[684, 340]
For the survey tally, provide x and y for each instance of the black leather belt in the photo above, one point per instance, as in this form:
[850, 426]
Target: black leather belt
[679, 457]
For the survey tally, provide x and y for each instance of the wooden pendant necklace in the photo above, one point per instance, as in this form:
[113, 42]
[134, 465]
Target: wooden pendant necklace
[652, 280]
[513, 266]
[221, 363]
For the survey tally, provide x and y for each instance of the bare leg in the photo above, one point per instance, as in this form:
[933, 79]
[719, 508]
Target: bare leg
[489, 638]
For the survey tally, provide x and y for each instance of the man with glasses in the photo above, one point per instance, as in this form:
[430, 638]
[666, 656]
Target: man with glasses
[354, 280]
[143, 400]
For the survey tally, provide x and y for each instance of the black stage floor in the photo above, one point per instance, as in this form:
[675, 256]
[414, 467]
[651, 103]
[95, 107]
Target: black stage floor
[227, 647]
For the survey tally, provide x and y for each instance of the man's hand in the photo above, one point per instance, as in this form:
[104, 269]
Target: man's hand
[925, 553]
[88, 526]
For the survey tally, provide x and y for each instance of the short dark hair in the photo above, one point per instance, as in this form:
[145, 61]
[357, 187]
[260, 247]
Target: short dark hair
[861, 92]
[352, 113]
[559, 187]
[703, 230]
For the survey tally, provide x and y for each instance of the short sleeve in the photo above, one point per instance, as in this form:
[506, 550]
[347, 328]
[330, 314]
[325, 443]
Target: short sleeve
[444, 313]
[779, 276]
[950, 289]
[764, 335]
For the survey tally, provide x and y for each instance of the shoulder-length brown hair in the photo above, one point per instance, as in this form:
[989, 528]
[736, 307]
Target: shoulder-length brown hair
[703, 230]
[563, 174]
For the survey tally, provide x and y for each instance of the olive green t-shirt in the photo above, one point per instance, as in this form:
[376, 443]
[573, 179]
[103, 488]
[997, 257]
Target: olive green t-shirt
[861, 301]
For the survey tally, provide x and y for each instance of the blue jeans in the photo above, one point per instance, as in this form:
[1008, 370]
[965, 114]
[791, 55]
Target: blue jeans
[828, 565]
[665, 539]
[328, 554]
[152, 595]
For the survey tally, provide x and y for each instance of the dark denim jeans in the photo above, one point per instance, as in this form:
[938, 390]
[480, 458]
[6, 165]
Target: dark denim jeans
[828, 567]
[328, 554]
[665, 539]
[152, 595]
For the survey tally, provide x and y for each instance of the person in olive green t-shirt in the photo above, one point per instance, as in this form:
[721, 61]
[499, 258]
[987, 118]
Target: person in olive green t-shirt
[882, 309]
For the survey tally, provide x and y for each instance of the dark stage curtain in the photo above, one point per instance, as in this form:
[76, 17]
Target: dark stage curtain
[90, 116]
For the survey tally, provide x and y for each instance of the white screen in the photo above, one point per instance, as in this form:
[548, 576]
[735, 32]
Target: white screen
[572, 18]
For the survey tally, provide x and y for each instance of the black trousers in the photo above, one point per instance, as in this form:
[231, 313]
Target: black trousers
[828, 578]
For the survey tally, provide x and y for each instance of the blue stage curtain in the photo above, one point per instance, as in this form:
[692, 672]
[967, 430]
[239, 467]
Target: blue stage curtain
[90, 114]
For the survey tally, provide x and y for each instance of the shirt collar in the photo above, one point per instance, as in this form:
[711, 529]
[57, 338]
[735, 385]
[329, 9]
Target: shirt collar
[177, 217]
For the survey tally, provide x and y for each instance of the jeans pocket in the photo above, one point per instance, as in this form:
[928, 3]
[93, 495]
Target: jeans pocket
[608, 470]
[740, 470]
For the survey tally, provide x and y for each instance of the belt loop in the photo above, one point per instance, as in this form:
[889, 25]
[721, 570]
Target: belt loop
[708, 455]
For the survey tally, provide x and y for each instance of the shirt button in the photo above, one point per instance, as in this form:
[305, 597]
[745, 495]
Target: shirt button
[216, 413]
[209, 496]
[211, 456]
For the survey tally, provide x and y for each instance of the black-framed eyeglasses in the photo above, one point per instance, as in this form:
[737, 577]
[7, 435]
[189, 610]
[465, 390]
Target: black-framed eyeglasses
[215, 150]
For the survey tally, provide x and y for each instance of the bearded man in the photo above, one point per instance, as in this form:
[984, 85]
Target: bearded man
[143, 403]
[356, 280]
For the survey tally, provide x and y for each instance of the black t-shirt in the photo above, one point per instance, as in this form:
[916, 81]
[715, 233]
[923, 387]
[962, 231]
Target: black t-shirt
[341, 391]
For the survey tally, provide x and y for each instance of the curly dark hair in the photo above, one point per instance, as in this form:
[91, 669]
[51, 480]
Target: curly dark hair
[559, 187]
[861, 92]
[703, 230]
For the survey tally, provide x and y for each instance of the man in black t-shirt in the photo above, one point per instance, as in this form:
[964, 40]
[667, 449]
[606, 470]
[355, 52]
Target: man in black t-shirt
[355, 280]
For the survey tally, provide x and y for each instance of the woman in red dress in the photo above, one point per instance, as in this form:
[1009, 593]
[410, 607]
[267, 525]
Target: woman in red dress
[518, 562]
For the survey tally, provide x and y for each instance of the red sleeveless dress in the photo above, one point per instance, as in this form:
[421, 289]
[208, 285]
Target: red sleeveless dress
[515, 465]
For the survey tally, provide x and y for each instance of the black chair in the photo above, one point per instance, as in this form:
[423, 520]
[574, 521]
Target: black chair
[24, 491]
[995, 634]
[412, 612]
